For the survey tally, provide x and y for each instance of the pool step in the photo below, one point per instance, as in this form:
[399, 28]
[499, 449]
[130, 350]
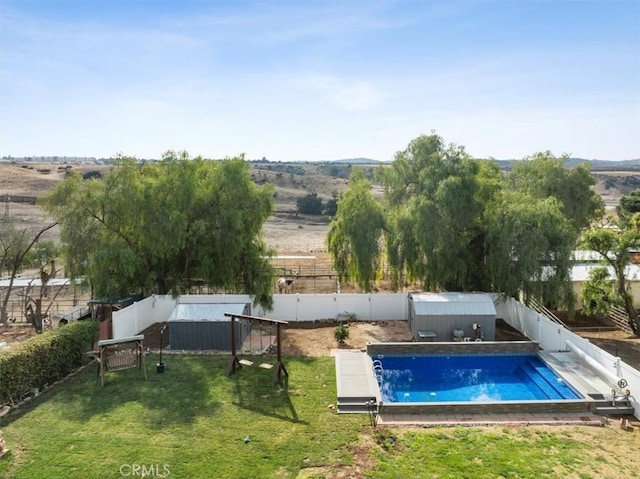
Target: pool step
[540, 381]
[611, 408]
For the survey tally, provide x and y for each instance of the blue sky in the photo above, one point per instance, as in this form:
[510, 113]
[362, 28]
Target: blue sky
[313, 80]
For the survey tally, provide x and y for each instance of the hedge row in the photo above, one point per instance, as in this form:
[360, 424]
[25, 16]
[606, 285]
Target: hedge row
[44, 359]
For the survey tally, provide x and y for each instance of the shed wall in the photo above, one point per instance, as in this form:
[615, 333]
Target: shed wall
[444, 325]
[205, 335]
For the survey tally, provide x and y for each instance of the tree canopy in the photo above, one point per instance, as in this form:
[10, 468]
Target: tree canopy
[435, 211]
[629, 205]
[529, 244]
[161, 226]
[355, 234]
[544, 175]
[455, 223]
[615, 242]
[599, 292]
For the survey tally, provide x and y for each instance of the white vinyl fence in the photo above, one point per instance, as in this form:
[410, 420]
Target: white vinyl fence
[549, 335]
[288, 307]
[552, 336]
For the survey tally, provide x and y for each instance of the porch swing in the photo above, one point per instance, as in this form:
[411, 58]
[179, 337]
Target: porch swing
[279, 370]
[248, 362]
[265, 365]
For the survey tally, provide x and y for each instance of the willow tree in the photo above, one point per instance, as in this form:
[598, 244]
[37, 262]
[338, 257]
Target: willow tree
[436, 198]
[545, 209]
[529, 248]
[544, 175]
[355, 234]
[161, 226]
[460, 224]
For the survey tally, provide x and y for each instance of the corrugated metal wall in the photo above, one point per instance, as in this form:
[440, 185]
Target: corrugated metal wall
[204, 326]
[205, 335]
[444, 313]
[444, 326]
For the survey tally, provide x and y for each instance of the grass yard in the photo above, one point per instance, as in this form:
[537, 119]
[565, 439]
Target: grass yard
[536, 452]
[191, 422]
[192, 418]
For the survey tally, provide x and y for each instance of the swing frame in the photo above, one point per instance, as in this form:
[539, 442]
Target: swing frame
[235, 363]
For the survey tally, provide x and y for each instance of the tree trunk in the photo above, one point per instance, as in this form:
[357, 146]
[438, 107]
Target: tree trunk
[634, 322]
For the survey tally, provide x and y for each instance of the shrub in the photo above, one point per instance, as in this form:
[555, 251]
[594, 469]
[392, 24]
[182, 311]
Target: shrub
[310, 204]
[341, 333]
[331, 207]
[93, 174]
[44, 359]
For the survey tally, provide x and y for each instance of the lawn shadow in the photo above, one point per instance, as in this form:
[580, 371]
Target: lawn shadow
[178, 396]
[255, 392]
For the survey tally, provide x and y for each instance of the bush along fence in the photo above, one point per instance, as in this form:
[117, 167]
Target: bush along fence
[33, 365]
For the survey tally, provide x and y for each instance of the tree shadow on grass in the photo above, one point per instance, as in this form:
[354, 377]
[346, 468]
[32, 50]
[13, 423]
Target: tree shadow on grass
[254, 391]
[178, 396]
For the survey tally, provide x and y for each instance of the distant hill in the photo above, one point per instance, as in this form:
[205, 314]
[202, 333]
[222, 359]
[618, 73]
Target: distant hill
[358, 161]
[594, 165]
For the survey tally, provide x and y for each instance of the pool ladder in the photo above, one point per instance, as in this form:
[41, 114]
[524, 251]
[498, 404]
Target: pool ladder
[378, 370]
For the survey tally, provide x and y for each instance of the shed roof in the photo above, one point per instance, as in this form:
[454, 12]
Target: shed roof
[443, 304]
[206, 311]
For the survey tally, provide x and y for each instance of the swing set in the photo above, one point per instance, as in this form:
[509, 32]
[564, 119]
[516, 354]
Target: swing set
[236, 363]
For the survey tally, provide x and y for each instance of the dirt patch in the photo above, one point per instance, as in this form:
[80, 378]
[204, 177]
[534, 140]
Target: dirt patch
[317, 339]
[13, 334]
[362, 461]
[152, 336]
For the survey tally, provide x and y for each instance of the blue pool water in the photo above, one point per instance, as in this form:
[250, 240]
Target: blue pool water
[472, 378]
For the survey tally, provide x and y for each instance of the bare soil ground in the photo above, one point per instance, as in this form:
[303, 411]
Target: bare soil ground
[318, 339]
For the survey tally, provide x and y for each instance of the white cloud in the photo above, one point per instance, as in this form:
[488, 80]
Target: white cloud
[345, 94]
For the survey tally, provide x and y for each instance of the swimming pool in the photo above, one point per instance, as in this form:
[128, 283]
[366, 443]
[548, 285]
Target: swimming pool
[482, 404]
[441, 378]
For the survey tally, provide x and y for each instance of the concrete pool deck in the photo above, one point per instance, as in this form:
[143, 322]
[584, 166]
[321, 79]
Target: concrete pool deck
[576, 372]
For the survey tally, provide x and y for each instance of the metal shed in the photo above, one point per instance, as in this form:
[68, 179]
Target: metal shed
[205, 327]
[452, 316]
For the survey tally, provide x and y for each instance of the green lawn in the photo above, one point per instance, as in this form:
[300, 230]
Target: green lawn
[191, 421]
[539, 452]
[193, 418]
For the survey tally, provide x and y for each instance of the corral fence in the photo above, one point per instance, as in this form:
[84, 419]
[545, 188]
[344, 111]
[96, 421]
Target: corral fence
[620, 318]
